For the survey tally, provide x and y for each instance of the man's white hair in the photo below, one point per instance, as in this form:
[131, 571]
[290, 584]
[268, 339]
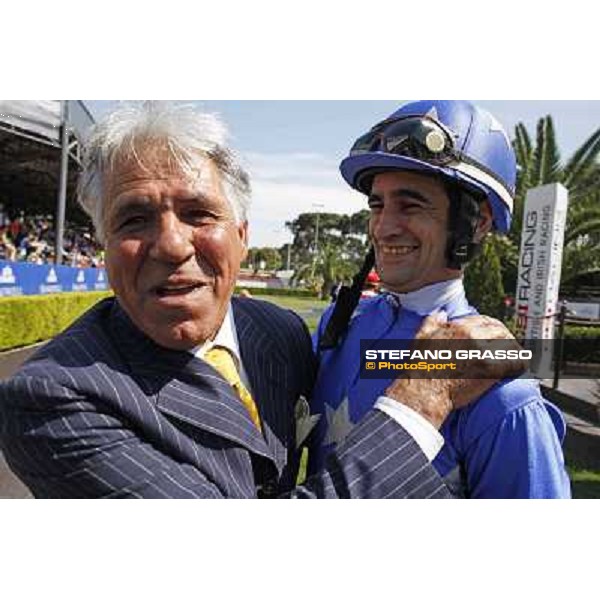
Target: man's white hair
[184, 132]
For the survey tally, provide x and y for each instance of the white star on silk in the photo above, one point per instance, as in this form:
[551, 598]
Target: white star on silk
[338, 423]
[495, 125]
[432, 114]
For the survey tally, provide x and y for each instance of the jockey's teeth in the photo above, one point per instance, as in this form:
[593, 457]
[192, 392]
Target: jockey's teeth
[397, 250]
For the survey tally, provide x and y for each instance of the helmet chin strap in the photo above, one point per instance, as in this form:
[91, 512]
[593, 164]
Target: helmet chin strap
[347, 301]
[463, 218]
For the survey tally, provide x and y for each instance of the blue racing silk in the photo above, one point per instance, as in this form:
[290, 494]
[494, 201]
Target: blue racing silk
[505, 445]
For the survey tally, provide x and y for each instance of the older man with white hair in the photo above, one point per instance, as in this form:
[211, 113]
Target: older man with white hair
[173, 388]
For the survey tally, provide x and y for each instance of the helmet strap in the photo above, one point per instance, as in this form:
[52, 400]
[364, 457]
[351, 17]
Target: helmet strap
[346, 303]
[463, 219]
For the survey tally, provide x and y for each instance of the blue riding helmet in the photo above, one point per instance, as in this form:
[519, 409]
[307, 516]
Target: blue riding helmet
[452, 137]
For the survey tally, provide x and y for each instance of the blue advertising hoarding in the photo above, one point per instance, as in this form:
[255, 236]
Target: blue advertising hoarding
[21, 278]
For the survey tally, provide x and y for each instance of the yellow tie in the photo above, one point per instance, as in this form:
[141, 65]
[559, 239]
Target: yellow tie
[220, 358]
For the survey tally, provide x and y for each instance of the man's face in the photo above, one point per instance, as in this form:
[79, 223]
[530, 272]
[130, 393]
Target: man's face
[409, 228]
[173, 249]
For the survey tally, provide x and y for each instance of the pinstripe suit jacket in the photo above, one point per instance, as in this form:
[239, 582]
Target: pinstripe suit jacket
[102, 411]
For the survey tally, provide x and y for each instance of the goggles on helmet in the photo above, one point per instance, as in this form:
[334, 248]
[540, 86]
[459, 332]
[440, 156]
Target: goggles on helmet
[413, 137]
[421, 138]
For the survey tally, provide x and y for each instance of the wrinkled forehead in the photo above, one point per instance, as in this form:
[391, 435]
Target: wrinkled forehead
[157, 159]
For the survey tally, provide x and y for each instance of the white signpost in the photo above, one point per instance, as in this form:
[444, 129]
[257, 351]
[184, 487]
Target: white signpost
[540, 260]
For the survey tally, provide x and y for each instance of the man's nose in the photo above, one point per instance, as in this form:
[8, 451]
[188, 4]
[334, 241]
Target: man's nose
[173, 241]
[386, 224]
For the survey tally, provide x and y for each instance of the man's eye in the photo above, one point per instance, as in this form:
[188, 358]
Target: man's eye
[199, 216]
[375, 204]
[132, 222]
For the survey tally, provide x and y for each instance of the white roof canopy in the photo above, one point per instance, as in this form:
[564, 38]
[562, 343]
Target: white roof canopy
[41, 119]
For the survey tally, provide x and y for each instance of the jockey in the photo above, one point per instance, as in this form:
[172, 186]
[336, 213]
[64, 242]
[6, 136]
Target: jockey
[438, 175]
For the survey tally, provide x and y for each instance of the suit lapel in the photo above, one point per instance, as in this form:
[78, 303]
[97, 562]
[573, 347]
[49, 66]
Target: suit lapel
[186, 388]
[268, 373]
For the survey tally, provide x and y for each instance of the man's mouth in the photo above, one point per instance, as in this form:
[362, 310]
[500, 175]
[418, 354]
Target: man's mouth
[397, 250]
[178, 288]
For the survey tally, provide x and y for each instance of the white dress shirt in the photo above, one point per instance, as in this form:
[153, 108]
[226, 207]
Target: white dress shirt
[227, 338]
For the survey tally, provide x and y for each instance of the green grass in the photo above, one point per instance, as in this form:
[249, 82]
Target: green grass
[298, 304]
[310, 309]
[303, 467]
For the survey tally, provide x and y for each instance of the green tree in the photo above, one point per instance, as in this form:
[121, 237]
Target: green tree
[327, 248]
[265, 258]
[483, 279]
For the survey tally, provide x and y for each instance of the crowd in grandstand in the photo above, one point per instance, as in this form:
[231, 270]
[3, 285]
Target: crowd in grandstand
[32, 239]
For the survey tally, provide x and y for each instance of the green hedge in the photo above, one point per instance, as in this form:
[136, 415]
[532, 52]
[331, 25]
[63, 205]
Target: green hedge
[582, 331]
[297, 293]
[25, 320]
[582, 344]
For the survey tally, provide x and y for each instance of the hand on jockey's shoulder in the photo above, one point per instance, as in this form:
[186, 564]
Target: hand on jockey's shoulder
[435, 398]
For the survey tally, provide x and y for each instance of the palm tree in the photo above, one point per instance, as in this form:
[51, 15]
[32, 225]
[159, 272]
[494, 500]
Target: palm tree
[540, 164]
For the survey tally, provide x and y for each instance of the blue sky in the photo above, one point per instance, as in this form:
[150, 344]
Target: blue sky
[292, 148]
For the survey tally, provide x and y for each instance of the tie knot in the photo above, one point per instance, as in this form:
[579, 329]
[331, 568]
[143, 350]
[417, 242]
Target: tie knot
[221, 359]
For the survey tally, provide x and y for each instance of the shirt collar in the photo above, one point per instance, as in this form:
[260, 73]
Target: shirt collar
[432, 297]
[226, 338]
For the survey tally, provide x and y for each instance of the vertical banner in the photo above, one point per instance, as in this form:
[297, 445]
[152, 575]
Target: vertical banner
[540, 260]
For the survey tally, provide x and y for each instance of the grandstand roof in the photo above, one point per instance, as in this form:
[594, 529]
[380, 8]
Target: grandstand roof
[30, 154]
